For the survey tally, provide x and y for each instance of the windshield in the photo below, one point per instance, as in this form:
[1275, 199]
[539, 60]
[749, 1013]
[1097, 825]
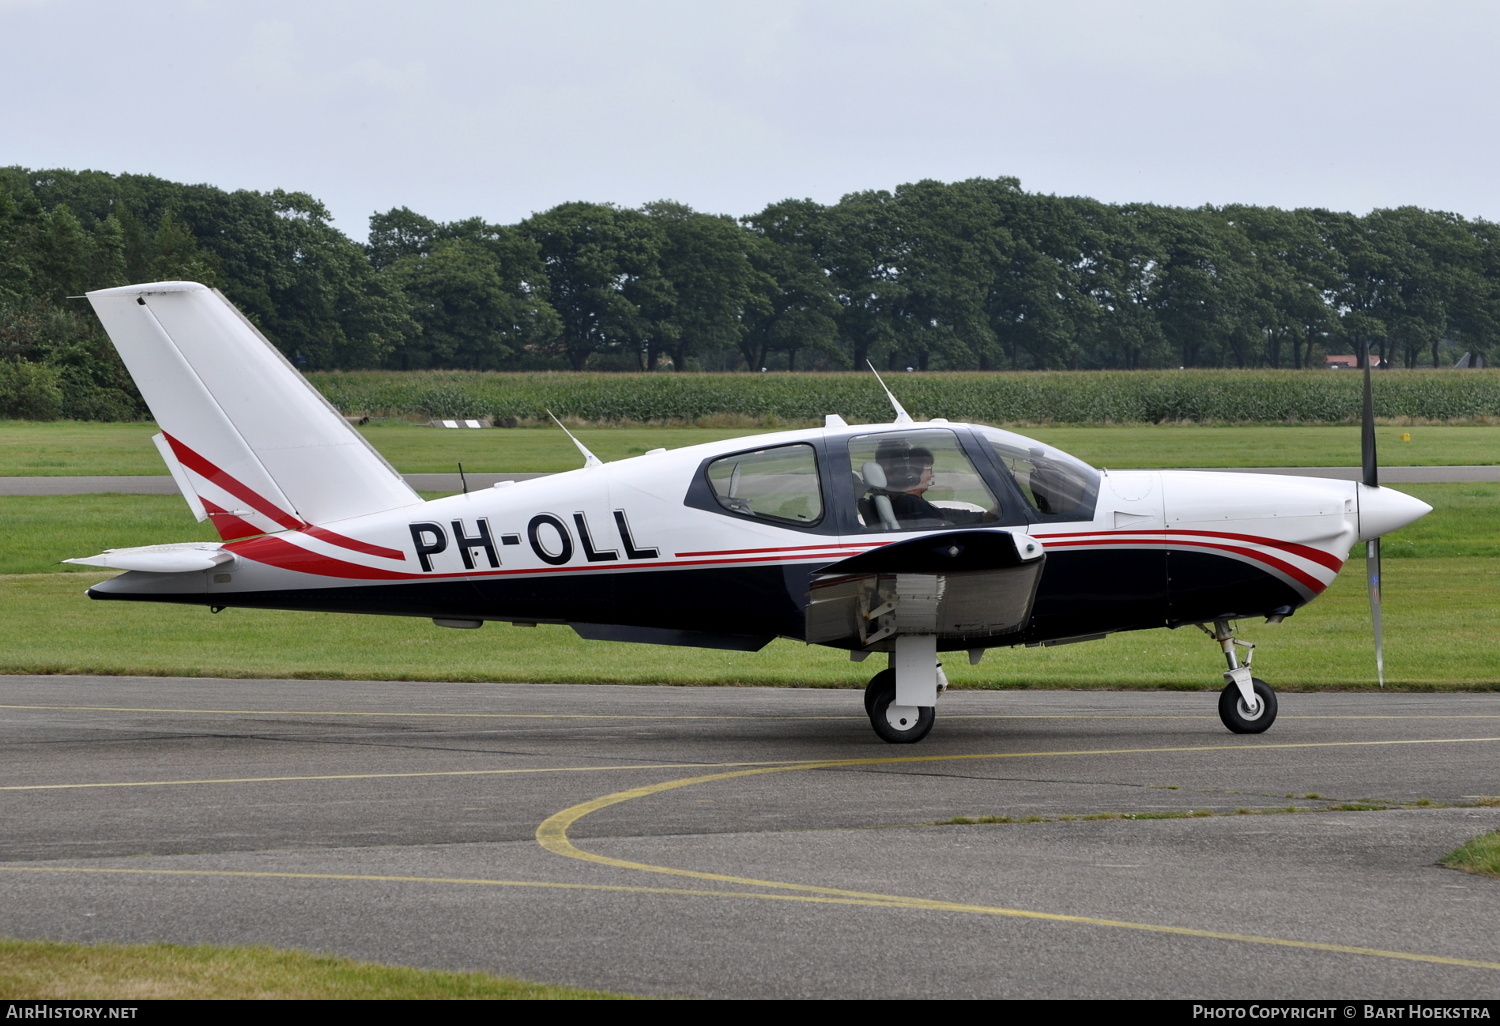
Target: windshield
[1058, 486]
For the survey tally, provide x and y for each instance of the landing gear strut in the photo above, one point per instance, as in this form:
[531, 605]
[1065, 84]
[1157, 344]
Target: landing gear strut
[1247, 705]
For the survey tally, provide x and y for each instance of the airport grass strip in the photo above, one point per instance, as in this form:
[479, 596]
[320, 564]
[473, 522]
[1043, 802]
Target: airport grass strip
[53, 970]
[1481, 855]
[1357, 806]
[79, 449]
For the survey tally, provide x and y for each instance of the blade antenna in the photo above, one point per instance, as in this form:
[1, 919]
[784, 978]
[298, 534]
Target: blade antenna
[1371, 478]
[902, 417]
[589, 459]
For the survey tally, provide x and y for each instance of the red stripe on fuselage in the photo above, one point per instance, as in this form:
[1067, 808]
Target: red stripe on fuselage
[354, 544]
[781, 548]
[1307, 552]
[274, 550]
[207, 470]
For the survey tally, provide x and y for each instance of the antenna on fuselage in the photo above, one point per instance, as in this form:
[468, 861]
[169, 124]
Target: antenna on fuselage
[902, 417]
[589, 459]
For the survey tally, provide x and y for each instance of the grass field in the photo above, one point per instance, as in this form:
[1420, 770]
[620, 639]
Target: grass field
[1481, 856]
[69, 448]
[49, 970]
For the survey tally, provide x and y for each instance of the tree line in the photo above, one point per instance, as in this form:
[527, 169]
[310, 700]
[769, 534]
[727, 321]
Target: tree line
[969, 275]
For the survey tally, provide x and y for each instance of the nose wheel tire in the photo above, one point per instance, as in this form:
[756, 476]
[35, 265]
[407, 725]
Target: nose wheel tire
[1240, 718]
[897, 724]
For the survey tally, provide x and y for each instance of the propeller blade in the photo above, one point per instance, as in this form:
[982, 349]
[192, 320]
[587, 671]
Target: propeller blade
[1367, 429]
[1371, 478]
[1372, 572]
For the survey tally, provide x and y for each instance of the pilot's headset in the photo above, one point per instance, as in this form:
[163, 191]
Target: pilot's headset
[903, 464]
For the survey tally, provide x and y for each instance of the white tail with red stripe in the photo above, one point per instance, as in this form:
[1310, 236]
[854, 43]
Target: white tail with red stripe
[251, 444]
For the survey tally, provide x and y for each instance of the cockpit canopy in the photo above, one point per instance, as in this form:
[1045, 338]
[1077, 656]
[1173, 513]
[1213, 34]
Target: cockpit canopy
[905, 478]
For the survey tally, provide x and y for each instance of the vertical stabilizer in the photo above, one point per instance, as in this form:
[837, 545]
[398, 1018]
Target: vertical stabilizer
[250, 438]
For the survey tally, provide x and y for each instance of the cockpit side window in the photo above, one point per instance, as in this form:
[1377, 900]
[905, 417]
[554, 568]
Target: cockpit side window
[778, 484]
[1058, 486]
[917, 479]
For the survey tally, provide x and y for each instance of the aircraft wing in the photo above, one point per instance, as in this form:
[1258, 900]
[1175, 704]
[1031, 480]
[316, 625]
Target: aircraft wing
[957, 585]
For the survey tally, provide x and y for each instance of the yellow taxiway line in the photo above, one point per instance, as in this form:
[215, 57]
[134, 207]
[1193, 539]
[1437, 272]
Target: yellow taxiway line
[383, 776]
[552, 835]
[769, 766]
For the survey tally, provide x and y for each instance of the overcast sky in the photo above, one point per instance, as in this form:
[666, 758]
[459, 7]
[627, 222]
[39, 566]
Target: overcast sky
[500, 109]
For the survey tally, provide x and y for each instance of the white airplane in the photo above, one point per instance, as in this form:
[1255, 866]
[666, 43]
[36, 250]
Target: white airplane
[907, 539]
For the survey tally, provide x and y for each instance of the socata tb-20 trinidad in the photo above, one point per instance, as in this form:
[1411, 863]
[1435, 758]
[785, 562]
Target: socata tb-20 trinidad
[908, 539]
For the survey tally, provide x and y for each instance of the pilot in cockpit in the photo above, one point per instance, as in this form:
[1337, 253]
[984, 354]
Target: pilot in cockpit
[898, 478]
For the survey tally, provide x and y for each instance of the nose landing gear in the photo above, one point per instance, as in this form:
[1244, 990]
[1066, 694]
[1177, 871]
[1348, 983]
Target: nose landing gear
[1247, 705]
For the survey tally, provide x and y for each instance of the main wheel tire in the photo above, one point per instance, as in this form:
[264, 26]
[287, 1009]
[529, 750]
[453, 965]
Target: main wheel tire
[885, 679]
[895, 728]
[1240, 719]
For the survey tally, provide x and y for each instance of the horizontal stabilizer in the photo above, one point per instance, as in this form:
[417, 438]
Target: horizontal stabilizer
[257, 445]
[161, 559]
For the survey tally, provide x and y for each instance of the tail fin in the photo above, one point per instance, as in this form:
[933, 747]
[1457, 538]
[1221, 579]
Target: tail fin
[251, 444]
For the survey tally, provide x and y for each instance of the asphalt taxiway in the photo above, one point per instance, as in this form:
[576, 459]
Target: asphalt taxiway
[751, 842]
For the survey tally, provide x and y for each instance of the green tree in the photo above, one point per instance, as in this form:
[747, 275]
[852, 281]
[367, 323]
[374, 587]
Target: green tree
[1474, 314]
[596, 257]
[15, 269]
[952, 238]
[711, 286]
[1197, 292]
[400, 232]
[63, 254]
[176, 255]
[1118, 261]
[469, 315]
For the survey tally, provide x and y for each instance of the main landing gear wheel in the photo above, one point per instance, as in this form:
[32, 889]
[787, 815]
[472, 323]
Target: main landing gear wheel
[1242, 720]
[883, 679]
[897, 724]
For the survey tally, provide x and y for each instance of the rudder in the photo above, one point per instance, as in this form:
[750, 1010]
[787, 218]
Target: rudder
[258, 447]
